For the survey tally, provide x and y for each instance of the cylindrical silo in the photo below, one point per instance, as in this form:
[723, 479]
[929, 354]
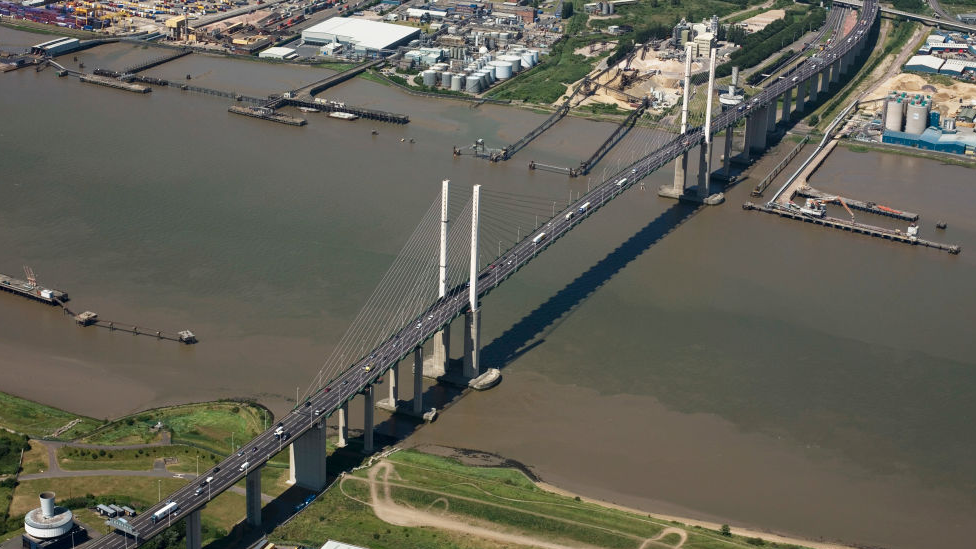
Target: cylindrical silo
[445, 79]
[483, 78]
[456, 82]
[527, 60]
[893, 120]
[916, 118]
[503, 70]
[503, 37]
[535, 56]
[514, 61]
[492, 72]
[472, 84]
[429, 77]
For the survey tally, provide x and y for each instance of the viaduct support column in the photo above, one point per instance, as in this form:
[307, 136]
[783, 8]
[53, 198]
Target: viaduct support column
[746, 141]
[252, 490]
[835, 72]
[771, 118]
[727, 159]
[681, 163]
[394, 391]
[801, 93]
[343, 425]
[472, 319]
[418, 381]
[310, 459]
[756, 126]
[787, 98]
[291, 464]
[368, 420]
[193, 530]
[440, 355]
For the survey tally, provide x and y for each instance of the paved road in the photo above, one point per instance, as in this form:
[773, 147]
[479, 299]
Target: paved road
[359, 377]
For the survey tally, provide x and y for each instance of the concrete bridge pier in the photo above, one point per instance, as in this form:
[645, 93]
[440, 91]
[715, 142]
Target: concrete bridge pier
[801, 93]
[252, 490]
[814, 87]
[835, 72]
[436, 366]
[705, 158]
[727, 158]
[418, 381]
[368, 420]
[390, 403]
[680, 178]
[746, 142]
[194, 532]
[309, 459]
[771, 118]
[343, 426]
[787, 106]
[756, 126]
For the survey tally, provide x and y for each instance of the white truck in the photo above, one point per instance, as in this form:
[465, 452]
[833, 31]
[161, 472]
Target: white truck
[168, 509]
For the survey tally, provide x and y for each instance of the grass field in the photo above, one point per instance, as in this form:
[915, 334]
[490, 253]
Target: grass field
[505, 498]
[35, 459]
[212, 425]
[11, 445]
[38, 420]
[80, 459]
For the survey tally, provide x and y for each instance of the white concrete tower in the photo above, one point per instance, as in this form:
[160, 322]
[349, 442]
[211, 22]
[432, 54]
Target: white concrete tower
[472, 319]
[681, 163]
[436, 365]
[705, 163]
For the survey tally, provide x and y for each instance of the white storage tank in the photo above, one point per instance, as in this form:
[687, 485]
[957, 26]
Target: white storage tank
[527, 60]
[445, 80]
[503, 69]
[492, 73]
[472, 84]
[535, 56]
[457, 82]
[894, 115]
[429, 77]
[917, 117]
[514, 61]
[503, 36]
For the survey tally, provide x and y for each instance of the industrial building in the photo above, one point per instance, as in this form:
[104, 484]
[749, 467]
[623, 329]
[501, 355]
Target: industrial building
[279, 53]
[909, 121]
[924, 63]
[933, 139]
[364, 37]
[56, 47]
[51, 527]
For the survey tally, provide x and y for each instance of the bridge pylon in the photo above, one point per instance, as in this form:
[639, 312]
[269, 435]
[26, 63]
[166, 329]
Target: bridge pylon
[436, 364]
[677, 190]
[472, 318]
[705, 158]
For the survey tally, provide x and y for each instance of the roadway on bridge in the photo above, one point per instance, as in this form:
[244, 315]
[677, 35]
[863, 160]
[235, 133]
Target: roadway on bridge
[359, 377]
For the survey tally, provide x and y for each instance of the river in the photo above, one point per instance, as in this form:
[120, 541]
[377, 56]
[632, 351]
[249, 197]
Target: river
[716, 363]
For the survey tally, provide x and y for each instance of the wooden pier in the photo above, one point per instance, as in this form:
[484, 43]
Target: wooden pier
[835, 223]
[265, 113]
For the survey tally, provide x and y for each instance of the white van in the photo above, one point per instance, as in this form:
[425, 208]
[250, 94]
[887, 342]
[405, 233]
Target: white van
[245, 465]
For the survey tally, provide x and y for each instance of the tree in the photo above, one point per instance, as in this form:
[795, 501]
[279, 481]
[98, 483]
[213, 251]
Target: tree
[814, 120]
[567, 10]
[726, 531]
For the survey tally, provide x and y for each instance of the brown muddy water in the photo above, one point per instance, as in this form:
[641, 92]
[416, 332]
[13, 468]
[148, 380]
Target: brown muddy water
[717, 363]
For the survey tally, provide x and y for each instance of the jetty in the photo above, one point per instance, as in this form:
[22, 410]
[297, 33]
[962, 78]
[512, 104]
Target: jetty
[265, 113]
[113, 83]
[31, 289]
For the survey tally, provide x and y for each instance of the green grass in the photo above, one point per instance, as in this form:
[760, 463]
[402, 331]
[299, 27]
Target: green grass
[11, 446]
[35, 459]
[505, 497]
[142, 459]
[41, 28]
[334, 65]
[211, 425]
[40, 421]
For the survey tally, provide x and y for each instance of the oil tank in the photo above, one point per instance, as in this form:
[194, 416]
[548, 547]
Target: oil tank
[895, 116]
[503, 69]
[492, 72]
[429, 77]
[916, 117]
[456, 82]
[483, 78]
[514, 61]
[445, 79]
[503, 36]
[472, 84]
[535, 56]
[527, 60]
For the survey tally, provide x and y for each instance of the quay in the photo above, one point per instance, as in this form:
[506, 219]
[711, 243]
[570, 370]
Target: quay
[265, 113]
[333, 106]
[111, 83]
[871, 207]
[850, 226]
[31, 290]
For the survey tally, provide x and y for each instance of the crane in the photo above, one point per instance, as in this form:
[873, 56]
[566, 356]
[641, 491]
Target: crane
[31, 279]
[842, 203]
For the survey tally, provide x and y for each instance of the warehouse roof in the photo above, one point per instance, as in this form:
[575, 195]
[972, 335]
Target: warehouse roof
[365, 34]
[928, 61]
[957, 66]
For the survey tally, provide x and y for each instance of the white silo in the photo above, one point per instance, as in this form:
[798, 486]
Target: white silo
[894, 115]
[917, 117]
[492, 72]
[535, 56]
[445, 79]
[429, 77]
[472, 84]
[514, 61]
[457, 82]
[503, 70]
[527, 60]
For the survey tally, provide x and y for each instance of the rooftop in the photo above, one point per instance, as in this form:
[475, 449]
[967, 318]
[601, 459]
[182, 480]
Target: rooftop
[365, 34]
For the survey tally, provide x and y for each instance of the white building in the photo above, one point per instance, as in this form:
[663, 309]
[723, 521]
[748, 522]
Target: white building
[362, 36]
[278, 53]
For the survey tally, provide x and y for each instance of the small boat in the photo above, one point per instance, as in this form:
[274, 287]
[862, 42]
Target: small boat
[308, 109]
[343, 115]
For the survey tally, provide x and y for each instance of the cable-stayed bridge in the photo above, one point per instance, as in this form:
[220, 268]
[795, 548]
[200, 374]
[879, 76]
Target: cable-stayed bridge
[406, 310]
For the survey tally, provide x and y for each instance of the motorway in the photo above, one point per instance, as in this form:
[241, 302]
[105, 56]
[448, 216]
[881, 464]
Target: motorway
[834, 22]
[357, 379]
